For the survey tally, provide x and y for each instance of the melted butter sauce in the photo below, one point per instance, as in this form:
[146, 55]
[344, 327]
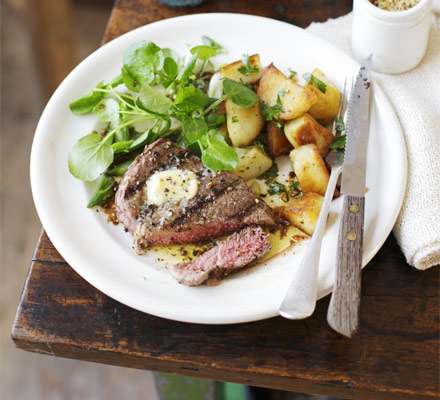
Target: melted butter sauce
[281, 241]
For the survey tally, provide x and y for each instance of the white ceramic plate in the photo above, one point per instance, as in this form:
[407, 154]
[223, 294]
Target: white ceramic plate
[102, 253]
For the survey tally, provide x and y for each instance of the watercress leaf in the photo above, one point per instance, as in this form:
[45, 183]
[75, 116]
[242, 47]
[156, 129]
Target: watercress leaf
[215, 120]
[188, 70]
[120, 169]
[116, 81]
[170, 67]
[239, 93]
[141, 59]
[167, 52]
[86, 103]
[107, 110]
[203, 52]
[158, 60]
[189, 98]
[104, 190]
[145, 138]
[122, 147]
[89, 157]
[218, 155]
[122, 134]
[153, 100]
[129, 80]
[207, 41]
[194, 129]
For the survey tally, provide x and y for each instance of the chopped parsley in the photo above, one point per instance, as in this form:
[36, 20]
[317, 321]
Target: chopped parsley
[339, 143]
[272, 172]
[247, 68]
[293, 186]
[272, 113]
[339, 124]
[313, 80]
[292, 73]
[275, 187]
[291, 190]
[234, 118]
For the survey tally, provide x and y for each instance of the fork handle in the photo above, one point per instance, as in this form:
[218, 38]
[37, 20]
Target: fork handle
[343, 311]
[300, 299]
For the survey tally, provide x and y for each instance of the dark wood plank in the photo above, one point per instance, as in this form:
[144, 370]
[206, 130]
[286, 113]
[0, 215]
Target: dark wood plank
[130, 14]
[394, 354]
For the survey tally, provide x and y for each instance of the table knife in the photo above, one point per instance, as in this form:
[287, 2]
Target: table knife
[343, 311]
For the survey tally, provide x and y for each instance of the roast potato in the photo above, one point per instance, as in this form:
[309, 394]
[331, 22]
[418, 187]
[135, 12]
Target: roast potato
[295, 99]
[277, 142]
[244, 124]
[305, 130]
[303, 212]
[310, 169]
[253, 162]
[231, 71]
[327, 106]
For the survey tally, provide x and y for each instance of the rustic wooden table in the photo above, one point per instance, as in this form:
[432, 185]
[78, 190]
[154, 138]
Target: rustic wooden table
[395, 354]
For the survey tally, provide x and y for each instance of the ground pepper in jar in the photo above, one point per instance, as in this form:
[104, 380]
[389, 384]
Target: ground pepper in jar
[395, 5]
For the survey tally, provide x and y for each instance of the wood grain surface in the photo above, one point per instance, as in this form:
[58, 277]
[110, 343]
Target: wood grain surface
[343, 310]
[394, 354]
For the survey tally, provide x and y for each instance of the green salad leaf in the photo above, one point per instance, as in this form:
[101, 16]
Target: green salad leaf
[203, 52]
[153, 100]
[194, 129]
[217, 155]
[141, 61]
[87, 102]
[89, 157]
[239, 93]
[104, 191]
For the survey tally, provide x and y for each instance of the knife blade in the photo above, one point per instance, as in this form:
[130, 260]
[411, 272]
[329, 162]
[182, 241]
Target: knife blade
[343, 311]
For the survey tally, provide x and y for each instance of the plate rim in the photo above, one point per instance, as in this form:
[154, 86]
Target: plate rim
[90, 279]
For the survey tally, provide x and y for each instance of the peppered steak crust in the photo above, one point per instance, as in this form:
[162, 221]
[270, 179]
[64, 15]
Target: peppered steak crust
[226, 257]
[222, 204]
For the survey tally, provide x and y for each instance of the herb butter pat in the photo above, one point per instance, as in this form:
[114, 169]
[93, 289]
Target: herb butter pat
[171, 186]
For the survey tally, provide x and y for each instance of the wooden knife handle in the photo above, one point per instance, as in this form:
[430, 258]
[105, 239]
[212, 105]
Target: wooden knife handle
[343, 311]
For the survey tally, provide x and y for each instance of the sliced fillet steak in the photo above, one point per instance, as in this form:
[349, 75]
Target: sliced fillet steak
[223, 202]
[227, 256]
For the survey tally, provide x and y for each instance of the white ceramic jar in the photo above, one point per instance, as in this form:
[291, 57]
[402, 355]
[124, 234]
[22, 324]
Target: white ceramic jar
[397, 39]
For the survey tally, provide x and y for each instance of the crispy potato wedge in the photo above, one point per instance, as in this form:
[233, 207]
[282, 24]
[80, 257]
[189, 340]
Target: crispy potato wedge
[327, 106]
[296, 99]
[231, 71]
[244, 124]
[303, 213]
[305, 130]
[310, 169]
[277, 143]
[252, 162]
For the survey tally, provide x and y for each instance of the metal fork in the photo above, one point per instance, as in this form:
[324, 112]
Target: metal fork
[300, 299]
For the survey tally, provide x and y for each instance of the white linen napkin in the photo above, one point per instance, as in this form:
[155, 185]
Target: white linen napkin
[415, 96]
